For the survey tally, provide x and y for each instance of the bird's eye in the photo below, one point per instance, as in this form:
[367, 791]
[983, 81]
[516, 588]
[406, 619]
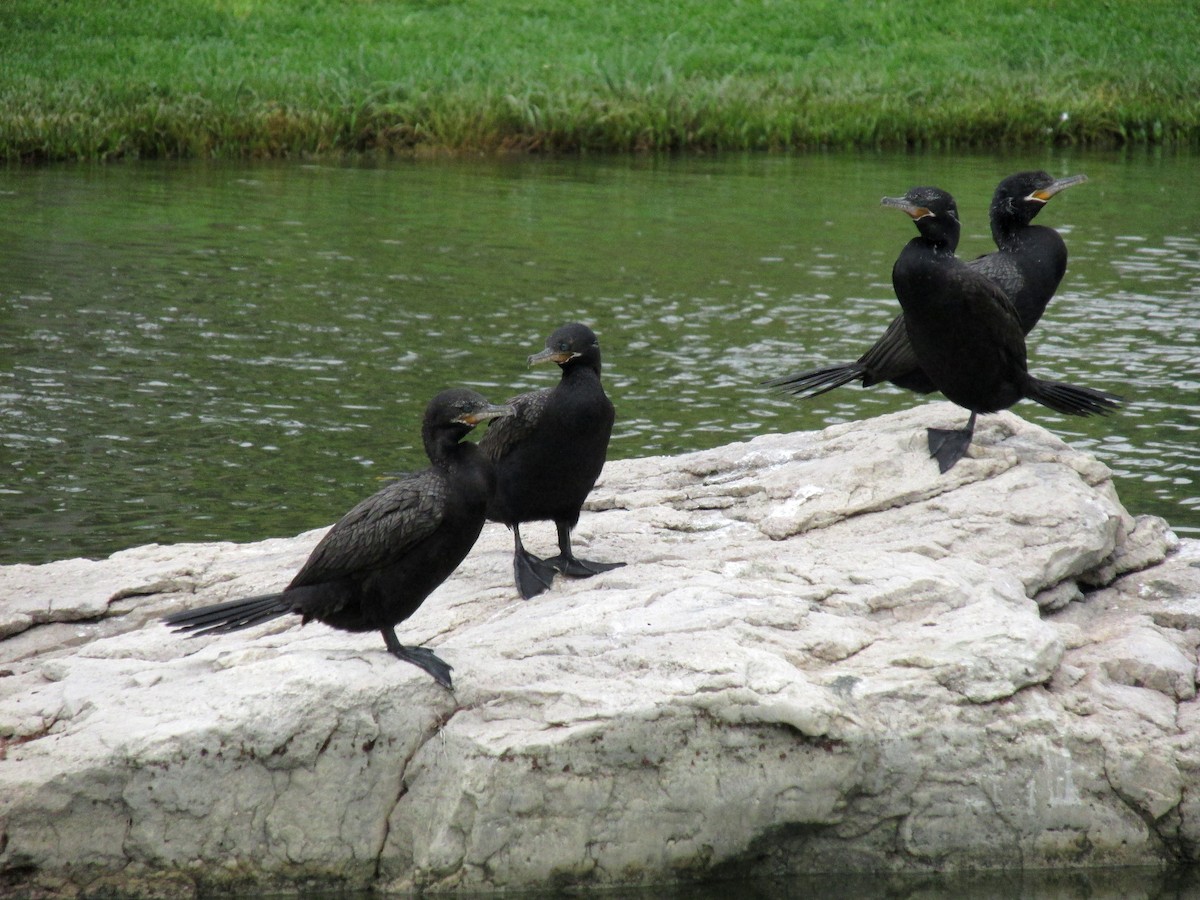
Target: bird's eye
[563, 346]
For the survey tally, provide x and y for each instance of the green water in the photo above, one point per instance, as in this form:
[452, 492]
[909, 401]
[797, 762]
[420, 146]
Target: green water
[193, 352]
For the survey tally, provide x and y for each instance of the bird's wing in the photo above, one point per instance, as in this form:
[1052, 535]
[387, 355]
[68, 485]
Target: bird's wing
[999, 269]
[506, 432]
[378, 530]
[1011, 342]
[891, 355]
[1001, 297]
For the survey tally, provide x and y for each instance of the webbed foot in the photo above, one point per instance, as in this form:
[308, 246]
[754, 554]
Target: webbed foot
[949, 445]
[424, 658]
[533, 575]
[580, 568]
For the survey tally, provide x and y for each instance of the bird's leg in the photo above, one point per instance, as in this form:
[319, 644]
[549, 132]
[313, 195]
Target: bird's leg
[533, 574]
[421, 657]
[566, 561]
[949, 445]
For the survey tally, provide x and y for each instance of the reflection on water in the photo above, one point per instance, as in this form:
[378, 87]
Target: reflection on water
[1062, 884]
[200, 351]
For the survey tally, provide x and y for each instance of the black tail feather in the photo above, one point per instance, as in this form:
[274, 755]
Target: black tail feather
[1072, 400]
[234, 615]
[816, 382]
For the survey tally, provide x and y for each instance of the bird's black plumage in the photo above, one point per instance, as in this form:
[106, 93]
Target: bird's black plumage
[1030, 260]
[376, 566]
[1028, 265]
[549, 453]
[964, 329]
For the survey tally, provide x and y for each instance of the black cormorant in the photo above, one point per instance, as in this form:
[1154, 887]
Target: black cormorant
[964, 330]
[548, 455]
[1028, 264]
[1030, 260]
[383, 558]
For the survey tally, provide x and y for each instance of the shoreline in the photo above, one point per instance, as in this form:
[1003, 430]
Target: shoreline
[270, 80]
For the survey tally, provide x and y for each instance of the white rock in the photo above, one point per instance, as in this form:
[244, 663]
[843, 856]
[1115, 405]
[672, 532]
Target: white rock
[822, 655]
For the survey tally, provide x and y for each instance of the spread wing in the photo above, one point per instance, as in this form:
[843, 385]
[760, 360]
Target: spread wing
[892, 354]
[378, 530]
[507, 432]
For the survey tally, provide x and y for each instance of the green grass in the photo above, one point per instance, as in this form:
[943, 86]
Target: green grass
[98, 79]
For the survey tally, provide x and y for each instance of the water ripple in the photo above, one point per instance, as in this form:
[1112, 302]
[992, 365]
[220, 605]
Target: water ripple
[215, 352]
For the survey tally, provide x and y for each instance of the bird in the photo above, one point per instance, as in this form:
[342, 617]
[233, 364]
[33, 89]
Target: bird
[1028, 264]
[1030, 260]
[965, 331]
[379, 562]
[548, 455]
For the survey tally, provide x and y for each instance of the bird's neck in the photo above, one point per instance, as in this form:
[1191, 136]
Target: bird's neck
[936, 246]
[921, 263]
[463, 452]
[445, 446]
[579, 373]
[1010, 236]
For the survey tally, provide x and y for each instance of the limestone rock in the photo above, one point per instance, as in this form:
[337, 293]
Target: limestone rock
[822, 655]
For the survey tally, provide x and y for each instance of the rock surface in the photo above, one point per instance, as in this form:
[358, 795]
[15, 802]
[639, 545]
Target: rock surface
[821, 656]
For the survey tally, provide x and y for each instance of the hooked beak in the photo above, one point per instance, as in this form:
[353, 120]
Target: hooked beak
[904, 205]
[1042, 195]
[549, 355]
[491, 411]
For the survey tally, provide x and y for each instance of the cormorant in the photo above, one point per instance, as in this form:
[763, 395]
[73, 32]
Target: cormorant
[1029, 264]
[964, 330]
[386, 555]
[548, 455]
[1031, 259]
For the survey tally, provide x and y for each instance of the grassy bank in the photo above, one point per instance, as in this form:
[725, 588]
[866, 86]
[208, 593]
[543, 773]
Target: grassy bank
[96, 79]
